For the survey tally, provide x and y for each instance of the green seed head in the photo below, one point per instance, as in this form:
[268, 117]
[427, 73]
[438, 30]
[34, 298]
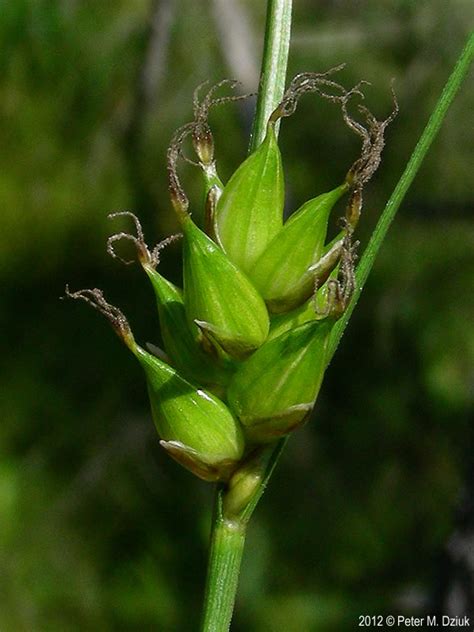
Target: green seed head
[179, 339]
[220, 301]
[281, 273]
[203, 143]
[249, 213]
[240, 260]
[245, 481]
[274, 390]
[316, 307]
[219, 298]
[196, 428]
[289, 367]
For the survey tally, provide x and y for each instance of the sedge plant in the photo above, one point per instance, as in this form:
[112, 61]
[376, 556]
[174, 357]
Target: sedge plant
[263, 302]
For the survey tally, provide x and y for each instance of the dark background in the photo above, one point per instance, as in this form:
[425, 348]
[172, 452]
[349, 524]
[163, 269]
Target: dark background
[370, 510]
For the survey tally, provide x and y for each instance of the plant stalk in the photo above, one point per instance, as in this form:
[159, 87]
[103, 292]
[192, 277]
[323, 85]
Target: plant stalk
[225, 556]
[228, 536]
[276, 48]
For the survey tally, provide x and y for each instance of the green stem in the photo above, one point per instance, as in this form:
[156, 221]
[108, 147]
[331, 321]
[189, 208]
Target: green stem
[274, 62]
[228, 536]
[225, 556]
[227, 544]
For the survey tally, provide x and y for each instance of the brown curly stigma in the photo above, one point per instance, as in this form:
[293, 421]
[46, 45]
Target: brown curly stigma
[95, 298]
[373, 141]
[146, 257]
[312, 82]
[202, 138]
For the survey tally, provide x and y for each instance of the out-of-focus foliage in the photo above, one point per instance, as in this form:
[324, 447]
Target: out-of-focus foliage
[98, 529]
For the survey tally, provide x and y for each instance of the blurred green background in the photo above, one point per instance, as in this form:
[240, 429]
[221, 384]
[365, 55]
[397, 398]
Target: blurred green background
[99, 530]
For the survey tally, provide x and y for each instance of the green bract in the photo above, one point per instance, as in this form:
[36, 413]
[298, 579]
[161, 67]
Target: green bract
[249, 212]
[219, 298]
[281, 271]
[274, 390]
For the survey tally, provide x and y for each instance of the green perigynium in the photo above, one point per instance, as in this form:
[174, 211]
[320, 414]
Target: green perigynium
[283, 273]
[219, 299]
[289, 366]
[249, 213]
[246, 337]
[179, 341]
[195, 427]
[223, 306]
